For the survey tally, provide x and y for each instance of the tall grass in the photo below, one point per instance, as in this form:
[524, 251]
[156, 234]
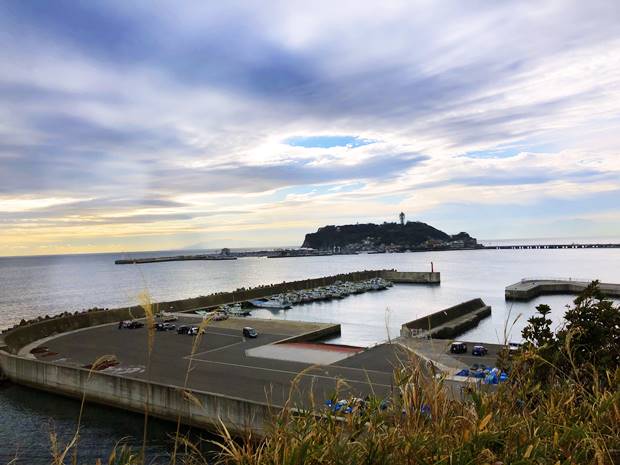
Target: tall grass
[425, 424]
[422, 421]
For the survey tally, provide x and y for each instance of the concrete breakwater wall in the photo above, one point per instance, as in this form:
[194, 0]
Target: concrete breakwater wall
[20, 336]
[163, 401]
[529, 289]
[416, 277]
[315, 335]
[448, 323]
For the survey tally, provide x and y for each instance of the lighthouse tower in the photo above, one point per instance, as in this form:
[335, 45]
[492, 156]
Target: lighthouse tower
[402, 218]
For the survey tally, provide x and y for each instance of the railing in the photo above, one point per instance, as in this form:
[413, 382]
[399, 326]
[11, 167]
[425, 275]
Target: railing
[556, 278]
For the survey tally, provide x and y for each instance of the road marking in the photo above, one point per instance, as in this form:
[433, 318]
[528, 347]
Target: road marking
[295, 373]
[207, 332]
[213, 350]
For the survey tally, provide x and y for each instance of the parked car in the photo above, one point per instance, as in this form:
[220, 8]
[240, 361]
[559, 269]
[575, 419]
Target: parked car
[458, 348]
[193, 331]
[479, 351]
[184, 329]
[249, 332]
[164, 327]
[131, 324]
[513, 348]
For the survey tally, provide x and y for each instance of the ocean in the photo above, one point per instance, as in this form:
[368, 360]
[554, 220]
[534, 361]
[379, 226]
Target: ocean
[33, 286]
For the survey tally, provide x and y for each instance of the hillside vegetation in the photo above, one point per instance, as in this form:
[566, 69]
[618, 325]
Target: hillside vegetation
[411, 235]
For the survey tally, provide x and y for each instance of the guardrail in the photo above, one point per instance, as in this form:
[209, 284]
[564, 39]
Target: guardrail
[556, 278]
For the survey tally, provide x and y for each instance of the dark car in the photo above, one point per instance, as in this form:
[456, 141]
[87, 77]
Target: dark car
[133, 324]
[249, 332]
[479, 351]
[193, 330]
[458, 348]
[183, 329]
[165, 327]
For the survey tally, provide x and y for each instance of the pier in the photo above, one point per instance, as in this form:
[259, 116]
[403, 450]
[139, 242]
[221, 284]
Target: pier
[553, 246]
[530, 288]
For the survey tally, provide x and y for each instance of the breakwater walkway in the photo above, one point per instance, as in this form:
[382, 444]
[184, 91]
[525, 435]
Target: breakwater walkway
[530, 288]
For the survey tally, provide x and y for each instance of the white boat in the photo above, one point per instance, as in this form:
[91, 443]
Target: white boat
[204, 313]
[238, 311]
[271, 303]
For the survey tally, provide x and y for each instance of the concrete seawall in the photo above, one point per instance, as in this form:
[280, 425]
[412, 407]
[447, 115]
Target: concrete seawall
[330, 331]
[412, 277]
[18, 337]
[528, 289]
[448, 323]
[164, 401]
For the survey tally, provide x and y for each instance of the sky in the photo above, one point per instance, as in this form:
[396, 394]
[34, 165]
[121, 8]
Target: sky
[152, 125]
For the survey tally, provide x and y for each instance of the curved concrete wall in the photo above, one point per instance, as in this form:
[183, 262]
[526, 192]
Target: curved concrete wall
[18, 337]
[164, 401]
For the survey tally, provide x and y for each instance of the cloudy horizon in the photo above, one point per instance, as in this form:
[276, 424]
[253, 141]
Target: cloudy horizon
[128, 126]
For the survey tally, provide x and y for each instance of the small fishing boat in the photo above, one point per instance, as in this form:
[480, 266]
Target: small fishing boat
[274, 303]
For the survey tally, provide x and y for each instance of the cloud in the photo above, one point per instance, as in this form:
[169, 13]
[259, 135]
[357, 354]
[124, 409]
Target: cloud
[206, 117]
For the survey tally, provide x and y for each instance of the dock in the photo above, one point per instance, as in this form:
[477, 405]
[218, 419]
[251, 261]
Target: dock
[530, 288]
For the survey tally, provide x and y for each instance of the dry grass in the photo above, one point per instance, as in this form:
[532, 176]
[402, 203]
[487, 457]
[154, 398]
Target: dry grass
[521, 422]
[424, 424]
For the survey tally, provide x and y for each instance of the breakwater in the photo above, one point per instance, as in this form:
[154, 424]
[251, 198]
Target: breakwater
[448, 323]
[528, 289]
[554, 246]
[30, 331]
[178, 258]
[228, 255]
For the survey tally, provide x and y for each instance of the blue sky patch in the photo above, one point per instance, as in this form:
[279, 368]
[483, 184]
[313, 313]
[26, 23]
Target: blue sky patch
[326, 142]
[507, 152]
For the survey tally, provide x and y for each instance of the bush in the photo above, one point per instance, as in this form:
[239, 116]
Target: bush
[587, 346]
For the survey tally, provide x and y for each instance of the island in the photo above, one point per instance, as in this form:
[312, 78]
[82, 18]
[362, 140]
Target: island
[407, 236]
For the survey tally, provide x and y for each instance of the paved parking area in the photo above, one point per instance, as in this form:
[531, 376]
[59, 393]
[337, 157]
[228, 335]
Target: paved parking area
[218, 361]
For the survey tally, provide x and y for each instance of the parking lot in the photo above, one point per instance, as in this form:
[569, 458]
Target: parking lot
[218, 363]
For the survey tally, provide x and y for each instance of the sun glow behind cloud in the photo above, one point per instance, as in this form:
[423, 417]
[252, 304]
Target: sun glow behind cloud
[150, 126]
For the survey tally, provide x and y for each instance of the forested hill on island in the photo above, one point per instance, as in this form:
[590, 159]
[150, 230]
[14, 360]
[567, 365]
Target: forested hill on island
[386, 237]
